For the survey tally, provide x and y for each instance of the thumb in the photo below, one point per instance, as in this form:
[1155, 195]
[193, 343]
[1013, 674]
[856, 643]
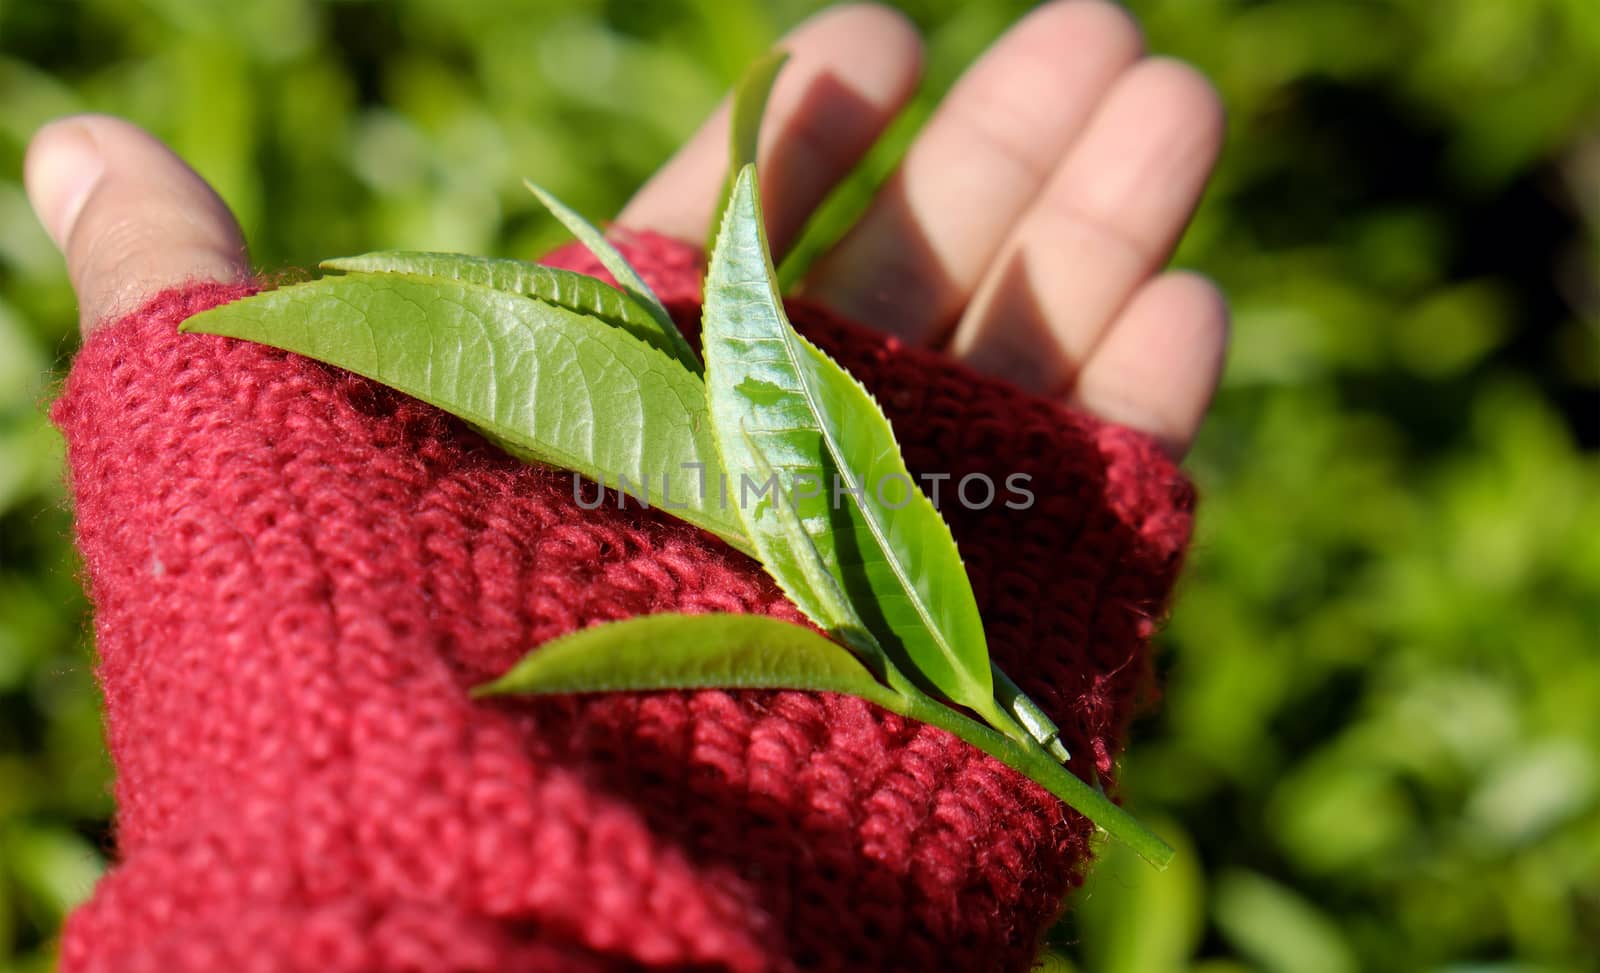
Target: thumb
[129, 216]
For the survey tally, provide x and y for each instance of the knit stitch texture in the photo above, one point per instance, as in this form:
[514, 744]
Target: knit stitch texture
[298, 574]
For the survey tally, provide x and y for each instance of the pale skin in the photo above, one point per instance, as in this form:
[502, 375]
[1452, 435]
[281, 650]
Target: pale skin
[1025, 232]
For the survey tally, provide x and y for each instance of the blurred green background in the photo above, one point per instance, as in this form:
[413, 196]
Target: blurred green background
[1380, 742]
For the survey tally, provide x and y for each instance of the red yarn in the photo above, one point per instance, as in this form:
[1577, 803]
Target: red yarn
[297, 575]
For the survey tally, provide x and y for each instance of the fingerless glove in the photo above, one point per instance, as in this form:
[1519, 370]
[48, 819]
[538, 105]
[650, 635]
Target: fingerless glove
[297, 575]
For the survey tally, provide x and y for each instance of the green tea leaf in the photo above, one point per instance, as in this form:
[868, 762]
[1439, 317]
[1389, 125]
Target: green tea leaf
[896, 559]
[576, 292]
[800, 571]
[744, 122]
[673, 651]
[628, 279]
[749, 104]
[553, 386]
[718, 651]
[807, 580]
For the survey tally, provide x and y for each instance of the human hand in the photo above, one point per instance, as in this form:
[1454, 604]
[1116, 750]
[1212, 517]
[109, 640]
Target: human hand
[1024, 231]
[297, 577]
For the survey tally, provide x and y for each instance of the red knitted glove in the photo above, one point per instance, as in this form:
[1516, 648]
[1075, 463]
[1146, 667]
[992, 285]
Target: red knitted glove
[298, 574]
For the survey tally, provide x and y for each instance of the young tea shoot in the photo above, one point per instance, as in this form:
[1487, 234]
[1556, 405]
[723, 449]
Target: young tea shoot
[896, 565]
[564, 370]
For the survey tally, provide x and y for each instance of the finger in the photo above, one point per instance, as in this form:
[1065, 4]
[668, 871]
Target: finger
[1160, 361]
[913, 261]
[850, 71]
[130, 217]
[1105, 222]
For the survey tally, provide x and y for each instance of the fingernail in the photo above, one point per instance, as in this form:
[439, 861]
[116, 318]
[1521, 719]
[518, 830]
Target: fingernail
[63, 166]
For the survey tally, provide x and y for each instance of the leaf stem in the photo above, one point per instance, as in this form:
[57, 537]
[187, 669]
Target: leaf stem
[1037, 765]
[1026, 712]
